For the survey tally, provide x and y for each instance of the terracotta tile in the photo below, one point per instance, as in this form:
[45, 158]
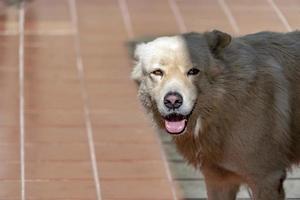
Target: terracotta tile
[53, 95]
[58, 61]
[136, 189]
[121, 134]
[108, 38]
[111, 64]
[126, 152]
[53, 134]
[10, 152]
[48, 73]
[8, 74]
[119, 118]
[51, 117]
[110, 70]
[132, 108]
[48, 43]
[9, 118]
[46, 16]
[59, 170]
[146, 23]
[61, 190]
[9, 100]
[40, 49]
[111, 51]
[116, 97]
[110, 33]
[82, 198]
[8, 18]
[131, 170]
[9, 52]
[9, 134]
[204, 15]
[255, 16]
[10, 190]
[9, 171]
[291, 11]
[44, 101]
[125, 89]
[57, 152]
[9, 77]
[288, 3]
[9, 114]
[94, 15]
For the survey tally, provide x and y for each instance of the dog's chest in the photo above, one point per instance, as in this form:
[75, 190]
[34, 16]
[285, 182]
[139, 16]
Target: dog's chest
[198, 150]
[190, 150]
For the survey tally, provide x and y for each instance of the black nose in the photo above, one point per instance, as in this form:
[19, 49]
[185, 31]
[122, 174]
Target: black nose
[173, 100]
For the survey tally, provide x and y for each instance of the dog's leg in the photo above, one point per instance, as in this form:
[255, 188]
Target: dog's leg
[221, 192]
[269, 187]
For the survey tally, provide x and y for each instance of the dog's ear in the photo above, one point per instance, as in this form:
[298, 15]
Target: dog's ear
[131, 47]
[137, 72]
[217, 41]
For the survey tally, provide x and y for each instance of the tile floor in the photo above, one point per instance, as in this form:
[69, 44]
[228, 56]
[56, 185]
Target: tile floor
[68, 112]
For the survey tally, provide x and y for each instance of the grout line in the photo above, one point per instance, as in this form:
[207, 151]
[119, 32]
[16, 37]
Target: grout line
[167, 167]
[229, 16]
[22, 99]
[179, 19]
[40, 32]
[126, 17]
[88, 123]
[127, 22]
[280, 15]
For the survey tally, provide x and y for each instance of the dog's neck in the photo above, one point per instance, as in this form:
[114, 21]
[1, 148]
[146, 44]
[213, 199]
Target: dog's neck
[203, 140]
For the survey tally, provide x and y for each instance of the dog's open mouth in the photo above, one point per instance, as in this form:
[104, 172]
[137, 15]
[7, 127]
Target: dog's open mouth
[175, 123]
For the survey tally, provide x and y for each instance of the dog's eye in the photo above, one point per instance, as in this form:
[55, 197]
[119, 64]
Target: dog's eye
[158, 72]
[193, 71]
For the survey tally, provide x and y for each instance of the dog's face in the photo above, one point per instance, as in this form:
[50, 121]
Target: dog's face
[169, 77]
[168, 74]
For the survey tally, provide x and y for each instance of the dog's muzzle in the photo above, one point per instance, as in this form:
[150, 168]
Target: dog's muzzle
[173, 100]
[175, 113]
[175, 123]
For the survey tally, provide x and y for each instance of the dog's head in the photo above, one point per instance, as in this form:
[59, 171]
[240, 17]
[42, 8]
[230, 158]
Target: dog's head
[171, 73]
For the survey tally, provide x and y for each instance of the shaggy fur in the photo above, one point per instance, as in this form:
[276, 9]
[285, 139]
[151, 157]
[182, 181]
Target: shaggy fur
[244, 126]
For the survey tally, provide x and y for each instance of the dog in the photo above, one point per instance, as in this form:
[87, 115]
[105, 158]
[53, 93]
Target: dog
[232, 105]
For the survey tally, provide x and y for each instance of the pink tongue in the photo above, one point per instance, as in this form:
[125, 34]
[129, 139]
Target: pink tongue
[175, 127]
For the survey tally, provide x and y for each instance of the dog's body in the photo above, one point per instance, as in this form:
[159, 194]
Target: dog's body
[234, 105]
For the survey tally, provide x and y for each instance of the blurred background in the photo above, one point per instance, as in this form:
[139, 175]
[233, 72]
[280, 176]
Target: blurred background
[71, 127]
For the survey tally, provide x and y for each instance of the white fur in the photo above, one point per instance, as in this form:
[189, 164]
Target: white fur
[151, 54]
[198, 127]
[168, 54]
[188, 95]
